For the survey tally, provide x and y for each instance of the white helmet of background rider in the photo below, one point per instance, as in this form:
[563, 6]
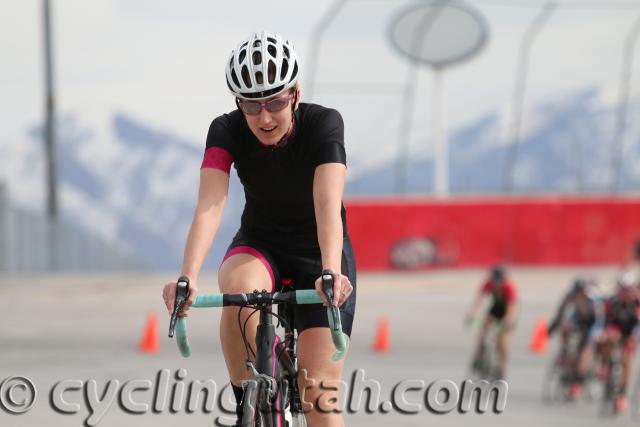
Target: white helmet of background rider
[628, 278]
[262, 66]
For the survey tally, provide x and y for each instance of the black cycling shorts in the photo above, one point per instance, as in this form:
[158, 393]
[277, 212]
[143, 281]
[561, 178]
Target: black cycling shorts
[498, 310]
[303, 267]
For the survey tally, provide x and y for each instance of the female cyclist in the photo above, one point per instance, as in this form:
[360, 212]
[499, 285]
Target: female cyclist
[290, 158]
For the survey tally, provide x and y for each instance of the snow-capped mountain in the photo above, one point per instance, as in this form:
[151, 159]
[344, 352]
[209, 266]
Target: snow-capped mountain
[566, 147]
[136, 185]
[132, 185]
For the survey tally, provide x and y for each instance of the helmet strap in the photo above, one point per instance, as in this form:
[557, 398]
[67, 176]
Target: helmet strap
[295, 99]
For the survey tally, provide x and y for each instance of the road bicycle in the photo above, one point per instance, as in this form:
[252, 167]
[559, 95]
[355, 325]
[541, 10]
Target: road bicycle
[272, 397]
[485, 364]
[561, 375]
[611, 381]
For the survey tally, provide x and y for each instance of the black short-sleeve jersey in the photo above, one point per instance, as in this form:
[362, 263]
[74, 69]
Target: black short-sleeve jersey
[278, 180]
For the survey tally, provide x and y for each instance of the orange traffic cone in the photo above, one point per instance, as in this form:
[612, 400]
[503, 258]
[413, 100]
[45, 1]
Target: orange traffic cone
[381, 343]
[539, 338]
[149, 342]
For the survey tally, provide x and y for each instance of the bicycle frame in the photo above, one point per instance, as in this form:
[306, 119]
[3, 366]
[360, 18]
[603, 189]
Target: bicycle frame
[267, 377]
[485, 361]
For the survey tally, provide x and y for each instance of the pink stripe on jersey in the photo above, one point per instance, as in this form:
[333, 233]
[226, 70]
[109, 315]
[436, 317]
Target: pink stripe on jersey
[253, 252]
[217, 158]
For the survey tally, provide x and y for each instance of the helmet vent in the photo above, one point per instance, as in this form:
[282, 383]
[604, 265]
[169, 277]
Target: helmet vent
[234, 77]
[257, 57]
[284, 69]
[272, 72]
[245, 76]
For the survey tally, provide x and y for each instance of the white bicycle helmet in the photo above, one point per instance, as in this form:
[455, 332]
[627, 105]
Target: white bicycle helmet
[263, 65]
[628, 278]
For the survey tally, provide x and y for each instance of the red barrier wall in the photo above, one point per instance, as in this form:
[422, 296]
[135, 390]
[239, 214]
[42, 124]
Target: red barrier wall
[483, 231]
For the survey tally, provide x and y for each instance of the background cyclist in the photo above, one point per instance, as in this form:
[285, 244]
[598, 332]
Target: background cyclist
[622, 315]
[581, 312]
[632, 265]
[503, 310]
[290, 158]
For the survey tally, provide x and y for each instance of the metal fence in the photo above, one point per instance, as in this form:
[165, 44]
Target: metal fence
[30, 243]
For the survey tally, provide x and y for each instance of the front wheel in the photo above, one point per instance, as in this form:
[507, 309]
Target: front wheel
[261, 410]
[611, 389]
[553, 388]
[251, 415]
[298, 420]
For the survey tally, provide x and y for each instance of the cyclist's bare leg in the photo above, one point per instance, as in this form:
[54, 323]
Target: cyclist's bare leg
[315, 349]
[565, 331]
[606, 344]
[627, 361]
[240, 273]
[584, 361]
[502, 346]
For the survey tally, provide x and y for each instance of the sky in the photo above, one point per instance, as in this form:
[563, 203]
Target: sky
[162, 62]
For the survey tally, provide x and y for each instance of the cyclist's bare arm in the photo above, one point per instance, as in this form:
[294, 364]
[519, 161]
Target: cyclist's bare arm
[328, 187]
[511, 314]
[475, 305]
[560, 313]
[212, 196]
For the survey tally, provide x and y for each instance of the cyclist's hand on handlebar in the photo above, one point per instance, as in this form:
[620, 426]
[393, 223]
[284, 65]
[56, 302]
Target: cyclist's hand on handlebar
[468, 320]
[169, 297]
[342, 289]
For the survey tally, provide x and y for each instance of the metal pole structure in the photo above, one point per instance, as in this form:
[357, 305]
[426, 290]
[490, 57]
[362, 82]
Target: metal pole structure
[50, 136]
[579, 142]
[406, 120]
[623, 105]
[4, 229]
[441, 146]
[314, 49]
[404, 134]
[519, 93]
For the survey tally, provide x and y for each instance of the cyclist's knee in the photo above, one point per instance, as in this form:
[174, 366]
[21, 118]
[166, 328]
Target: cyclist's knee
[315, 349]
[325, 417]
[243, 273]
[486, 325]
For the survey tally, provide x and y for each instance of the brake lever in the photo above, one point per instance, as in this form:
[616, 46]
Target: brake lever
[182, 293]
[327, 288]
[327, 285]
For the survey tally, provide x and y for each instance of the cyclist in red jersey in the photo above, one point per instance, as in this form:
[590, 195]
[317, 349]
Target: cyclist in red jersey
[503, 310]
[291, 161]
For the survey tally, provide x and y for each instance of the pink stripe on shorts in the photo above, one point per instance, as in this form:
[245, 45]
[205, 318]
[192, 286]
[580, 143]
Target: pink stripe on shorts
[253, 252]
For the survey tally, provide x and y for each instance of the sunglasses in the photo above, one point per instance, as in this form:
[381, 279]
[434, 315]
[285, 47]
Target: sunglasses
[253, 108]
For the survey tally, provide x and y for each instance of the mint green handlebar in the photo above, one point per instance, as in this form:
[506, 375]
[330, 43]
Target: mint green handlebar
[305, 296]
